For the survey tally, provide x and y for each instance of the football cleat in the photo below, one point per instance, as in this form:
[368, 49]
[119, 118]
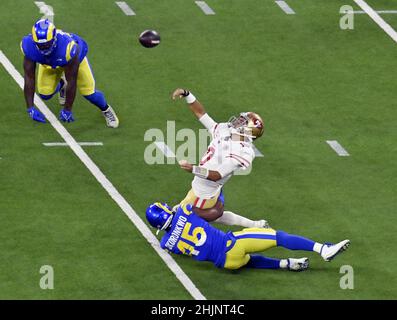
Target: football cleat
[328, 252]
[111, 118]
[62, 91]
[298, 264]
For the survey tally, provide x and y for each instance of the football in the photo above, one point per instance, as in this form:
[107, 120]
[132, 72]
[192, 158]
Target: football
[149, 38]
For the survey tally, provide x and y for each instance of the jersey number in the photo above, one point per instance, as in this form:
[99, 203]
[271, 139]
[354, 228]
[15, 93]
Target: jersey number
[193, 238]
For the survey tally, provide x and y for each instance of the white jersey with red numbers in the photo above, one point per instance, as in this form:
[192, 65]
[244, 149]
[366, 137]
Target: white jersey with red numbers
[223, 155]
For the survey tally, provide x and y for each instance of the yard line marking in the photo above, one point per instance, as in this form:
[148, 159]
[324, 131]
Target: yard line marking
[64, 144]
[126, 8]
[45, 9]
[285, 7]
[205, 7]
[338, 148]
[377, 18]
[257, 152]
[107, 185]
[165, 149]
[377, 11]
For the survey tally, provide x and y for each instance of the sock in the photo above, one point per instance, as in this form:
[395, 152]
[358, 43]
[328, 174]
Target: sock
[49, 96]
[284, 264]
[231, 219]
[318, 247]
[261, 262]
[98, 99]
[294, 242]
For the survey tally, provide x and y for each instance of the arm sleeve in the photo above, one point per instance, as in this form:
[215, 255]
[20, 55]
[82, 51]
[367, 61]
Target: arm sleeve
[207, 122]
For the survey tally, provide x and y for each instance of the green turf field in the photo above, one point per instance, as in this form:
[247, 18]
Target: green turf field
[310, 81]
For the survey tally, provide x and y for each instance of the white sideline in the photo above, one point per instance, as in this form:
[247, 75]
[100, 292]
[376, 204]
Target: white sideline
[107, 185]
[205, 7]
[126, 8]
[64, 144]
[336, 146]
[377, 18]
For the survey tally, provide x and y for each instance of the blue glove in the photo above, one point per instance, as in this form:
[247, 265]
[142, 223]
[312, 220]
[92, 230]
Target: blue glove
[66, 116]
[36, 115]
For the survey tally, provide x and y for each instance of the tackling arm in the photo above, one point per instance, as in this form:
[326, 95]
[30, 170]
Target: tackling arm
[29, 67]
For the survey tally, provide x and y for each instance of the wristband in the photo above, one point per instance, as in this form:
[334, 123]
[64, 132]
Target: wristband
[189, 97]
[200, 172]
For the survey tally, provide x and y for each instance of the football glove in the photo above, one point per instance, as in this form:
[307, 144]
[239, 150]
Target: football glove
[66, 116]
[36, 115]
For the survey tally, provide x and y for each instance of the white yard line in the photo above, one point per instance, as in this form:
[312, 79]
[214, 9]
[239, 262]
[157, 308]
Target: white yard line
[45, 9]
[335, 145]
[377, 18]
[64, 144]
[205, 7]
[285, 7]
[165, 149]
[107, 185]
[377, 11]
[125, 8]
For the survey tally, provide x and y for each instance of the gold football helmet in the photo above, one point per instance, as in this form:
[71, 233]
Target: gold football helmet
[248, 124]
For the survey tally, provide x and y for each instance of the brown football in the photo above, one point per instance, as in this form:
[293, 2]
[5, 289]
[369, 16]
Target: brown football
[149, 38]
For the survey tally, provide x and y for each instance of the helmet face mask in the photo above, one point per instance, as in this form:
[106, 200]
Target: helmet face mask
[247, 124]
[46, 48]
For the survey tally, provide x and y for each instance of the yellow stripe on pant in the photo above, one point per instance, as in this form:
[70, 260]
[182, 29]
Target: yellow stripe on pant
[249, 240]
[48, 79]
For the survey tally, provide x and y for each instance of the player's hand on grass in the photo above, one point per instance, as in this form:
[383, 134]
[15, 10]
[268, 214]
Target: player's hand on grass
[66, 116]
[186, 165]
[36, 115]
[179, 93]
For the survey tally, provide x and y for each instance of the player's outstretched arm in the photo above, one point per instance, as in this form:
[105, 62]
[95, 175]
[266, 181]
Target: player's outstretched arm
[196, 107]
[200, 171]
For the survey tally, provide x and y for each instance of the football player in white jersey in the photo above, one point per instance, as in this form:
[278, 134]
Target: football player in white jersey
[231, 149]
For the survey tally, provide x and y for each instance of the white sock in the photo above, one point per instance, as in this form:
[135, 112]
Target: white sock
[231, 219]
[283, 263]
[317, 247]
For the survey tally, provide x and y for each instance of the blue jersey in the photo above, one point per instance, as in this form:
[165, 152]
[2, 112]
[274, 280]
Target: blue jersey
[66, 48]
[191, 235]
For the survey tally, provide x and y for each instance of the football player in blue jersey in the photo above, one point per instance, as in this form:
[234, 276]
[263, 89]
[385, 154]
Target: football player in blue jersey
[187, 233]
[62, 67]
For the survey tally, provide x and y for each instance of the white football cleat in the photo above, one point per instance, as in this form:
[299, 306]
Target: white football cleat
[111, 117]
[298, 264]
[62, 91]
[328, 252]
[261, 224]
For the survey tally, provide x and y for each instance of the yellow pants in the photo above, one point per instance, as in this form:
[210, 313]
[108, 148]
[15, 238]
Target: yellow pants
[48, 79]
[201, 203]
[248, 240]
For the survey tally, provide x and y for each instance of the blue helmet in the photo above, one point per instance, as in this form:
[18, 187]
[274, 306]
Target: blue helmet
[44, 36]
[159, 215]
